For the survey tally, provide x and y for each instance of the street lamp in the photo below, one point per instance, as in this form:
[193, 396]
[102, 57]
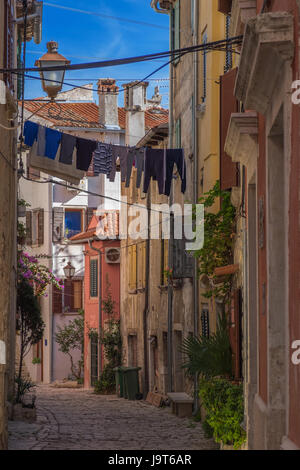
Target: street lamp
[52, 81]
[69, 271]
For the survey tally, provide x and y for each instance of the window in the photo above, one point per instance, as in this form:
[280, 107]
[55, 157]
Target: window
[35, 227]
[73, 222]
[93, 278]
[70, 298]
[175, 21]
[8, 61]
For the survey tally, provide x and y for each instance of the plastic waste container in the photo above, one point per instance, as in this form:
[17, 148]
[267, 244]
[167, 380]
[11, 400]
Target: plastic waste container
[131, 382]
[119, 371]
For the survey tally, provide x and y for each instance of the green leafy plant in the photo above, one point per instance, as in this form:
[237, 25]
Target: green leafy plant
[36, 360]
[209, 356]
[21, 233]
[223, 402]
[110, 338]
[23, 203]
[24, 386]
[217, 251]
[30, 325]
[71, 337]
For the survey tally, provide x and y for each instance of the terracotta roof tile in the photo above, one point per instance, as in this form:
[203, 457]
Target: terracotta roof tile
[102, 226]
[86, 115]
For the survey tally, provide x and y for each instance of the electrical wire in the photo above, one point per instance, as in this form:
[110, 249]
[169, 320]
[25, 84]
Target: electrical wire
[51, 181]
[130, 60]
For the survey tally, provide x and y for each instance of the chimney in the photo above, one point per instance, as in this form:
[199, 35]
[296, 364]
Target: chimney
[108, 93]
[135, 103]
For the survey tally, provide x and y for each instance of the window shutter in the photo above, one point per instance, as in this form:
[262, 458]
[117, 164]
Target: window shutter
[57, 300]
[77, 289]
[41, 227]
[58, 223]
[175, 42]
[133, 259]
[183, 263]
[68, 295]
[144, 248]
[228, 105]
[28, 228]
[93, 278]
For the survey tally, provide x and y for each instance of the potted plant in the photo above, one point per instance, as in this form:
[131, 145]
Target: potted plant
[22, 204]
[21, 233]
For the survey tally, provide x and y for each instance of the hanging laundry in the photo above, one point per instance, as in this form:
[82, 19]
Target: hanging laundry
[85, 149]
[53, 139]
[102, 159]
[155, 168]
[139, 164]
[30, 132]
[175, 156]
[41, 141]
[129, 165]
[67, 145]
[119, 151]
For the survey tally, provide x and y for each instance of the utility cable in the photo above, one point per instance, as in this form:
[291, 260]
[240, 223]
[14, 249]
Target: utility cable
[130, 60]
[51, 181]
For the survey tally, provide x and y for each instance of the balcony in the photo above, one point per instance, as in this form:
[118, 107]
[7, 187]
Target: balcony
[268, 44]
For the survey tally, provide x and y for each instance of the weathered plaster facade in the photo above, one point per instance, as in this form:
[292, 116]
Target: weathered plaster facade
[266, 142]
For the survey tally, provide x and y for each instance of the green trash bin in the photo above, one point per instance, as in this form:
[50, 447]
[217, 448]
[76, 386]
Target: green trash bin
[131, 382]
[119, 371]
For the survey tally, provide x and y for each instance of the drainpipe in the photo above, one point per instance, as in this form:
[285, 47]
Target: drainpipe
[171, 242]
[146, 308]
[100, 303]
[195, 153]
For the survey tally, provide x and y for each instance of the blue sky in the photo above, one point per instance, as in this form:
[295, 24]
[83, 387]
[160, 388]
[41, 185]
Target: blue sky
[86, 38]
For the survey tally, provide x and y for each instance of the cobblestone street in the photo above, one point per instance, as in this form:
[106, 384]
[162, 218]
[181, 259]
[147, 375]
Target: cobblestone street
[80, 420]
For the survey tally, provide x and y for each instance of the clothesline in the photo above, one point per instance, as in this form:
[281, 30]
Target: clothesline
[97, 157]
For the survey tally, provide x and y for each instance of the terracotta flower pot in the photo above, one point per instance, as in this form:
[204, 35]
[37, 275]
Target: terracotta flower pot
[225, 270]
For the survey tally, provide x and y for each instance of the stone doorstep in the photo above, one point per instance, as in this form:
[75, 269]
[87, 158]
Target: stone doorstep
[182, 404]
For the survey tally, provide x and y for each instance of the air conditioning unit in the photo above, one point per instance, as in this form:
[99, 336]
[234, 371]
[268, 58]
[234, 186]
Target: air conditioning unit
[112, 255]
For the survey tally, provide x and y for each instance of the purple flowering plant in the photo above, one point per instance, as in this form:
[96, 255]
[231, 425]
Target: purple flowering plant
[37, 275]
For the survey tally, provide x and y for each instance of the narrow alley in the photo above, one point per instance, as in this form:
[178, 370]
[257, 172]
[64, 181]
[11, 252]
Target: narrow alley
[77, 419]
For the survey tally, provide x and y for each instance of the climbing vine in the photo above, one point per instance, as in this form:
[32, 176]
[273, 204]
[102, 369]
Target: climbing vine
[219, 232]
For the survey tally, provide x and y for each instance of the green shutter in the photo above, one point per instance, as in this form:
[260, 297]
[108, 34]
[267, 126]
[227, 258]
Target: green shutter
[175, 42]
[94, 278]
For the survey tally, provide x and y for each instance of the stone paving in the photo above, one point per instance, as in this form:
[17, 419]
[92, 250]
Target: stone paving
[77, 419]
